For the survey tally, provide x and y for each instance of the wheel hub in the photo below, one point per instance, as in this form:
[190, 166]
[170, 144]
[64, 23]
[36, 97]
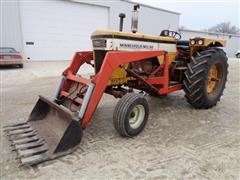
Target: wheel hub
[136, 116]
[213, 79]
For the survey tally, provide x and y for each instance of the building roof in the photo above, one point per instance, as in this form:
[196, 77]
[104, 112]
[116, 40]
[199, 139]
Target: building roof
[210, 33]
[152, 7]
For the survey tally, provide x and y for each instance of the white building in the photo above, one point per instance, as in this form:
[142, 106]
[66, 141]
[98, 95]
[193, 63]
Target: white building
[55, 29]
[233, 40]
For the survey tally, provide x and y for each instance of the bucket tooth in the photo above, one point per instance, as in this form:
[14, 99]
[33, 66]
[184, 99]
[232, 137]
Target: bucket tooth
[29, 145]
[32, 160]
[15, 125]
[20, 131]
[24, 135]
[25, 126]
[33, 151]
[25, 140]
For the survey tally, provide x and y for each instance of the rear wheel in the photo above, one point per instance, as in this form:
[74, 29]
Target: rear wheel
[131, 115]
[205, 78]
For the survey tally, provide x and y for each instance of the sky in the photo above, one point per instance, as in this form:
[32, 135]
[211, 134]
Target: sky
[200, 14]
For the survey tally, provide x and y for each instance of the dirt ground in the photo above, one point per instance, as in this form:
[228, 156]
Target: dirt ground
[178, 142]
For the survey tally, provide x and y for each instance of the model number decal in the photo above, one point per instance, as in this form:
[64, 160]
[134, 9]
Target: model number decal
[136, 46]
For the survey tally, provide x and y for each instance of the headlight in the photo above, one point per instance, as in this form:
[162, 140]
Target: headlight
[200, 42]
[99, 43]
[192, 41]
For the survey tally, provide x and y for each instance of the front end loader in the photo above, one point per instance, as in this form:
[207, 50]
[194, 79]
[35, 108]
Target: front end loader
[127, 66]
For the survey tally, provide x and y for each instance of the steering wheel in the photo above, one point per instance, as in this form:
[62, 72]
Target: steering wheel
[173, 34]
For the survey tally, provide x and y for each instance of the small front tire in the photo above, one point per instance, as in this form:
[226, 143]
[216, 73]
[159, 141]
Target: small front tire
[131, 115]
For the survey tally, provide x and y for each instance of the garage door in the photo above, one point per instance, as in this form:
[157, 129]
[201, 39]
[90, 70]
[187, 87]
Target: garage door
[54, 30]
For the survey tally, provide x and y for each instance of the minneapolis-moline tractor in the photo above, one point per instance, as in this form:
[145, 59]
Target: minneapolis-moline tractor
[127, 66]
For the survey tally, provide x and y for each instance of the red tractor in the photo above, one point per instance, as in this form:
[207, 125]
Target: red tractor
[127, 66]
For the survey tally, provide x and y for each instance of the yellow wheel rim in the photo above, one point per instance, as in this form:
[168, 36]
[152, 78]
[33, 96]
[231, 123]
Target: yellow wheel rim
[213, 79]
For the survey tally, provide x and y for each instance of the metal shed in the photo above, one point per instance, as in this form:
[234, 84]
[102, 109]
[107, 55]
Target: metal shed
[55, 29]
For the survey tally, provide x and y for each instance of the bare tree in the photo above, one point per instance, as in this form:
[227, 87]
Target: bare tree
[225, 27]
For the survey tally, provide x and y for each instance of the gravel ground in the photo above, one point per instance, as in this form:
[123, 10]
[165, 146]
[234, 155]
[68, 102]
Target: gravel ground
[178, 142]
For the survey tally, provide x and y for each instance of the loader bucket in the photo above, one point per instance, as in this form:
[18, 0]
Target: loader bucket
[50, 132]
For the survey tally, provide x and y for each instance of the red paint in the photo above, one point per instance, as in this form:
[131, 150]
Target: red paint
[113, 60]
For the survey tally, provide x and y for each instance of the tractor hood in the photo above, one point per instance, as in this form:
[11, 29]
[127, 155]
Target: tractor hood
[116, 40]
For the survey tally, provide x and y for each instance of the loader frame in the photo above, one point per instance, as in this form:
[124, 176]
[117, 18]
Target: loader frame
[99, 82]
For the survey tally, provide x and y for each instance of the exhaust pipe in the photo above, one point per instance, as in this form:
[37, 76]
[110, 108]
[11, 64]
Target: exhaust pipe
[121, 16]
[135, 18]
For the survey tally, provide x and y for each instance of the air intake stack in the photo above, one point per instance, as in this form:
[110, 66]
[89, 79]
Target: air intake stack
[121, 16]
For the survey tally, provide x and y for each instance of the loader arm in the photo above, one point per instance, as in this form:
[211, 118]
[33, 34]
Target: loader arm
[99, 82]
[111, 61]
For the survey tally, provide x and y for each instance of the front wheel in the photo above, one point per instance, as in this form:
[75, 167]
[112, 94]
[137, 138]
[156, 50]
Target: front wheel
[205, 78]
[131, 115]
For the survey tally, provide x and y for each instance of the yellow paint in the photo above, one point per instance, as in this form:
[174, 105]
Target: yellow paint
[144, 36]
[171, 55]
[206, 42]
[119, 76]
[213, 79]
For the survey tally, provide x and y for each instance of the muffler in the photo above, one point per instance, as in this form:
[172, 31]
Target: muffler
[134, 25]
[51, 131]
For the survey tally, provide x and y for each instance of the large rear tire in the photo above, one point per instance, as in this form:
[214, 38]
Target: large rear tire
[205, 78]
[131, 115]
